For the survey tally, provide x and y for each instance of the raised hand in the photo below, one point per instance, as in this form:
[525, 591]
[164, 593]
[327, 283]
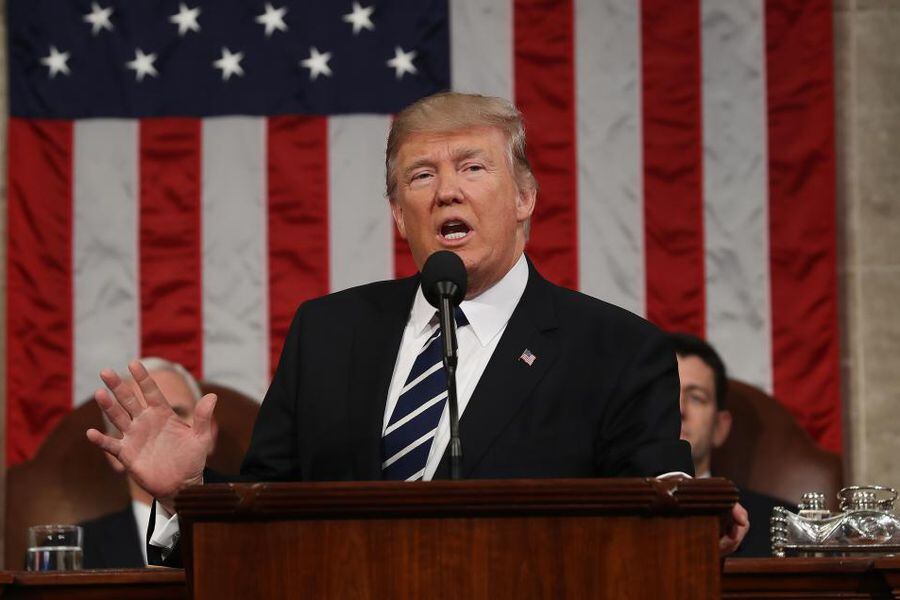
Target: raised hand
[160, 451]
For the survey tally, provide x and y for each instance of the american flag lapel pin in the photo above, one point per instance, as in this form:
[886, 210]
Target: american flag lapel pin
[527, 357]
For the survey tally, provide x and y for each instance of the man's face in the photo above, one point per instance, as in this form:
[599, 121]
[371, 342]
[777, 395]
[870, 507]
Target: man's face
[456, 191]
[702, 423]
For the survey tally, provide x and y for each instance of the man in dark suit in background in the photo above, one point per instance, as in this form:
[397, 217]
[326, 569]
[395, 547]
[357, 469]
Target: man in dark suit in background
[118, 540]
[551, 383]
[706, 423]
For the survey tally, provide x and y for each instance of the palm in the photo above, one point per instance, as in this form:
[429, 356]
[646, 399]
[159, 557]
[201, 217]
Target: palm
[161, 452]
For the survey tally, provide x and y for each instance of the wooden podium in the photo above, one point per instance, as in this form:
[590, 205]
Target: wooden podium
[549, 538]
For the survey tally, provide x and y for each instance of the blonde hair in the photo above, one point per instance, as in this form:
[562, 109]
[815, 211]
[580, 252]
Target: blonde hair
[452, 111]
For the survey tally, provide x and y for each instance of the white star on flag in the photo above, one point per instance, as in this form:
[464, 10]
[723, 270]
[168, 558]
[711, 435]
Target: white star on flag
[56, 62]
[99, 18]
[361, 18]
[142, 65]
[273, 19]
[229, 63]
[402, 62]
[317, 63]
[186, 19]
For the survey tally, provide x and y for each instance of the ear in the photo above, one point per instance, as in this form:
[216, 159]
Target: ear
[722, 428]
[525, 202]
[397, 213]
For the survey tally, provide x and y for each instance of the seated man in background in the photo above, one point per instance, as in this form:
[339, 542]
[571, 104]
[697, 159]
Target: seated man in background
[118, 540]
[706, 423]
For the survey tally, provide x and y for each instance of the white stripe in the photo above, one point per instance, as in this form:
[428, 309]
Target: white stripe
[430, 341]
[408, 449]
[481, 49]
[391, 428]
[418, 379]
[416, 476]
[735, 187]
[104, 250]
[610, 171]
[359, 219]
[235, 299]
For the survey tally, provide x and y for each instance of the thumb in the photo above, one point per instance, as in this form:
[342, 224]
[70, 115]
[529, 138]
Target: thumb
[203, 414]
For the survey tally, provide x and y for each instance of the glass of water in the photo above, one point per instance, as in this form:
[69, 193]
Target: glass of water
[54, 548]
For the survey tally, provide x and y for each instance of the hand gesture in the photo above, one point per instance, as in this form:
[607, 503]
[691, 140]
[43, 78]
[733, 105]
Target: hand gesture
[162, 453]
[729, 542]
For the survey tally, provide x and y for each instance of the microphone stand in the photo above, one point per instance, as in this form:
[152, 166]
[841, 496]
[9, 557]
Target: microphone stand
[448, 328]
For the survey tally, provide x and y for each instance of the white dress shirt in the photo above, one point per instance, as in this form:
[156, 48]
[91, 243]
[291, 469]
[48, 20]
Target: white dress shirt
[488, 315]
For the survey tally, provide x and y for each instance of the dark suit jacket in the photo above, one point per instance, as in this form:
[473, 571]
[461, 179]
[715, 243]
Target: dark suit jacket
[600, 399]
[112, 542]
[758, 542]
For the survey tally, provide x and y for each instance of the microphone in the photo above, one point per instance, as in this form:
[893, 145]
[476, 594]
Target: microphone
[444, 282]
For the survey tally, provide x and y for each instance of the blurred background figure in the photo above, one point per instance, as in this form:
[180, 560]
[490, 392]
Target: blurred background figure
[706, 423]
[118, 539]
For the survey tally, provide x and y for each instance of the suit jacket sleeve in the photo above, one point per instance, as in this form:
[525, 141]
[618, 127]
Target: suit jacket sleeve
[273, 452]
[640, 431]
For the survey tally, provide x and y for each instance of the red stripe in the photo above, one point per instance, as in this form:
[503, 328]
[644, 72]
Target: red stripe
[545, 93]
[170, 241]
[298, 219]
[673, 164]
[39, 283]
[802, 214]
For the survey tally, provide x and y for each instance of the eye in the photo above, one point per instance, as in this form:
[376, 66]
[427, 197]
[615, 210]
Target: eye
[421, 176]
[474, 167]
[699, 398]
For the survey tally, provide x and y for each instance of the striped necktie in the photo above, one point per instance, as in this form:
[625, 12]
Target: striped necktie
[407, 439]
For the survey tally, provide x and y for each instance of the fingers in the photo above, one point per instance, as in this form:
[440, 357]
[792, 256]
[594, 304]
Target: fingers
[115, 413]
[730, 542]
[740, 515]
[107, 443]
[123, 393]
[203, 414]
[149, 389]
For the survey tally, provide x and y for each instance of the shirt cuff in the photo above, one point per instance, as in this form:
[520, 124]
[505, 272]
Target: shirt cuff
[165, 537]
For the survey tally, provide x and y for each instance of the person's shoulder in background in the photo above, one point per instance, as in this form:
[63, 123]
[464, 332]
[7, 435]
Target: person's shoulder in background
[112, 541]
[758, 542]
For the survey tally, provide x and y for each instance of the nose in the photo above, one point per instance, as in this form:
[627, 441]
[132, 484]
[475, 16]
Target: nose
[448, 190]
[682, 405]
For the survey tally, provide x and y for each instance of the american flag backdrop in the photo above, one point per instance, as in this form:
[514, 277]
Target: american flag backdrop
[183, 173]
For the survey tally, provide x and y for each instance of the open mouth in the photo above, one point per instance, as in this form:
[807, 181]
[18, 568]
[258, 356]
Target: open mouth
[455, 230]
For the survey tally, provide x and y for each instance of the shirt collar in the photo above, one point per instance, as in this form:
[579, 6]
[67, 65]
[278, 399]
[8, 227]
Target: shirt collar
[488, 312]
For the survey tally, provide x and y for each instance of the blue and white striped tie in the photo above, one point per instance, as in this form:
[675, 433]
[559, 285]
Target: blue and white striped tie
[413, 424]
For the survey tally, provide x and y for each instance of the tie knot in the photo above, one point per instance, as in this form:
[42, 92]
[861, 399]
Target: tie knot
[458, 315]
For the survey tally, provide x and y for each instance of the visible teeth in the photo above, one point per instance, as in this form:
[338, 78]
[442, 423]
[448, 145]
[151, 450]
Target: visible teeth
[455, 236]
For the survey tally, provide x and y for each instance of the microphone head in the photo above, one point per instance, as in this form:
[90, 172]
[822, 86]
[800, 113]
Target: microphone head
[444, 274]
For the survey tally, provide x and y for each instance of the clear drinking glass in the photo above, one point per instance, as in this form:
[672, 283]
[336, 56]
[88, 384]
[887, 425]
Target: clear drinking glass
[54, 548]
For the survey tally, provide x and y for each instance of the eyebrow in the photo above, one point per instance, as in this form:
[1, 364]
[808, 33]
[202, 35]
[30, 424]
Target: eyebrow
[695, 387]
[458, 156]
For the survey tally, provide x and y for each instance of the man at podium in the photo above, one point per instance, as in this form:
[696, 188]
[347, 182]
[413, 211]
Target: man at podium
[551, 383]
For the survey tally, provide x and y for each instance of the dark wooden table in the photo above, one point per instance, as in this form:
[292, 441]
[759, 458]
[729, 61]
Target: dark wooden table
[124, 584]
[811, 578]
[744, 579]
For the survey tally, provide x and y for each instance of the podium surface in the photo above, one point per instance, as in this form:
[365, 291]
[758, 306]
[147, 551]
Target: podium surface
[549, 538]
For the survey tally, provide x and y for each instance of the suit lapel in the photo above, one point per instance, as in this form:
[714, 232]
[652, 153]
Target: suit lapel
[508, 379]
[375, 349]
